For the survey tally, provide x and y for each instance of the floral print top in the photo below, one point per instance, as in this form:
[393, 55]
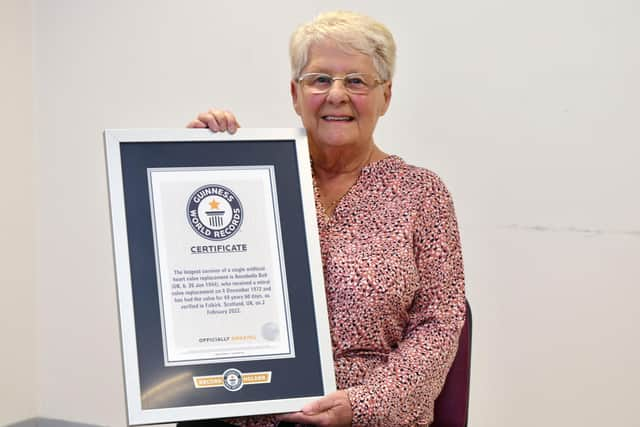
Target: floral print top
[395, 292]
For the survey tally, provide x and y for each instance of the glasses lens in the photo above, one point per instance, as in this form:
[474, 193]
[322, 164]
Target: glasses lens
[358, 83]
[318, 83]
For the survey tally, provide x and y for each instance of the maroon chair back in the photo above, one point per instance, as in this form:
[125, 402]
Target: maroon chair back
[452, 405]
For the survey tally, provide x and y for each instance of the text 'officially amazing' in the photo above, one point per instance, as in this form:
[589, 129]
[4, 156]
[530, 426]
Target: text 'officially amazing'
[215, 249]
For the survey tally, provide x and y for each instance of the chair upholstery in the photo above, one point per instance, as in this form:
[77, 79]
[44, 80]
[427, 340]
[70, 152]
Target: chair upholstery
[452, 405]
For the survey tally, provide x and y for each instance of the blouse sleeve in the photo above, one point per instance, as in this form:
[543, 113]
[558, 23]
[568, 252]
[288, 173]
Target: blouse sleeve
[403, 391]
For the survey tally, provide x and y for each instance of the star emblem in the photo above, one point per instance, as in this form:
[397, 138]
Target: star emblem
[214, 204]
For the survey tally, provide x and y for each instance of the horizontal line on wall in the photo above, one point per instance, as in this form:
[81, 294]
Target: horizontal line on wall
[571, 229]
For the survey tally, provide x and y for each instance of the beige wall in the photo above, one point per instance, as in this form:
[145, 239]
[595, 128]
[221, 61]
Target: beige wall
[17, 216]
[527, 109]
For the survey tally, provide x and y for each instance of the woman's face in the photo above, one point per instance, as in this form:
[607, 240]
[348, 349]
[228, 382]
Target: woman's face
[338, 118]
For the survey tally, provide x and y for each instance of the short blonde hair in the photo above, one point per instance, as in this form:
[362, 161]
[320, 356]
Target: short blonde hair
[351, 31]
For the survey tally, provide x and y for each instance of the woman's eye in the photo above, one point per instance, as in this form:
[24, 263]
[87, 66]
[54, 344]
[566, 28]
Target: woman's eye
[356, 81]
[322, 80]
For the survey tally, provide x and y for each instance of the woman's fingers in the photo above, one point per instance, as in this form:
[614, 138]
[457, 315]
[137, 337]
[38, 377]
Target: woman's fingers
[232, 123]
[196, 124]
[333, 410]
[209, 121]
[216, 120]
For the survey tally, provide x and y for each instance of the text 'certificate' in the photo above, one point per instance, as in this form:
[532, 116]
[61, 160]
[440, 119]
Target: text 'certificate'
[220, 265]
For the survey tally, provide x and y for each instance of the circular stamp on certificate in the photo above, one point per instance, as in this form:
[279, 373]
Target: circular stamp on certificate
[270, 331]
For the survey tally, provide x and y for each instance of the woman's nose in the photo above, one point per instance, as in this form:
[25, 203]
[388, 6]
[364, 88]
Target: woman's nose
[337, 92]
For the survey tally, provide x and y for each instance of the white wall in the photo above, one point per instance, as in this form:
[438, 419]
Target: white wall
[19, 205]
[525, 108]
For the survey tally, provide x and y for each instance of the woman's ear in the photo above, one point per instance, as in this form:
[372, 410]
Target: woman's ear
[294, 96]
[387, 97]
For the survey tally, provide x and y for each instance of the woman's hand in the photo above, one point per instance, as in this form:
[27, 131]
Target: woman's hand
[216, 120]
[333, 410]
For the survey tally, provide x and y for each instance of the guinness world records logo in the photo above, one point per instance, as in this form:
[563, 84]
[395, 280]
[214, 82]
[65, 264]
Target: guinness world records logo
[214, 212]
[232, 379]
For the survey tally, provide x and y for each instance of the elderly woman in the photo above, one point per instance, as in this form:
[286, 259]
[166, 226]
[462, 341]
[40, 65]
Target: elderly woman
[388, 234]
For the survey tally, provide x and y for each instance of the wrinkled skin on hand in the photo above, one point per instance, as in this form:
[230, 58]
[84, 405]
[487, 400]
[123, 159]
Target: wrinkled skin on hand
[333, 410]
[216, 120]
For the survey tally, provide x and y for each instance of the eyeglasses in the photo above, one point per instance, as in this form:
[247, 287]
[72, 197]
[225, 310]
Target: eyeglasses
[354, 83]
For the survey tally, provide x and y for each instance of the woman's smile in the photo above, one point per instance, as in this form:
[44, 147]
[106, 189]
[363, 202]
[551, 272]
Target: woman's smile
[338, 118]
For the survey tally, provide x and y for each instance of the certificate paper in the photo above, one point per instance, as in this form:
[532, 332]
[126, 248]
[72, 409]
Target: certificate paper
[222, 279]
[219, 275]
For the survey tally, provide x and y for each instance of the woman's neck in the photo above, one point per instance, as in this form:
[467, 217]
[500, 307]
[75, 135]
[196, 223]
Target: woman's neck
[337, 170]
[331, 162]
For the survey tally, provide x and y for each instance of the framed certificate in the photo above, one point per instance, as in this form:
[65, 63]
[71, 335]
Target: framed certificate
[219, 276]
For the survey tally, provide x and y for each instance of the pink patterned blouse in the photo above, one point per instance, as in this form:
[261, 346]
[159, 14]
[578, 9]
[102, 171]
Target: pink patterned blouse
[395, 292]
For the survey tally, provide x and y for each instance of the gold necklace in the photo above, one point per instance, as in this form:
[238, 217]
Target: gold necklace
[328, 206]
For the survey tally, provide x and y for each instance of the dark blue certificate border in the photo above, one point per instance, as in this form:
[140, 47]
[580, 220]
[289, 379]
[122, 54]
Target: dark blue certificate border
[169, 387]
